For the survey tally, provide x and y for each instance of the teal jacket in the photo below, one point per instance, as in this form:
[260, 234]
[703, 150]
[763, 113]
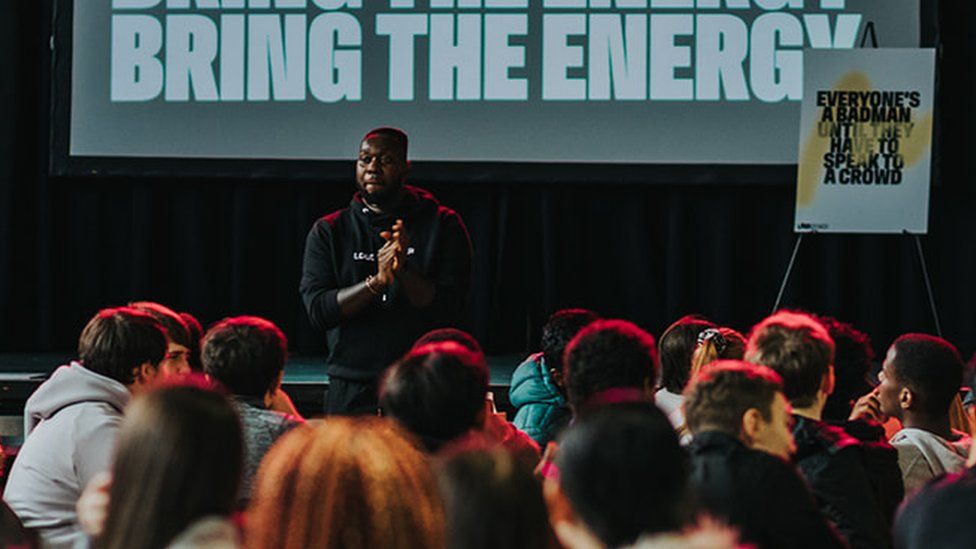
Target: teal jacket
[541, 411]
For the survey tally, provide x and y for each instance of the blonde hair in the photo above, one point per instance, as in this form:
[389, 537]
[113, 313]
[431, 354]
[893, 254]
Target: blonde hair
[716, 344]
[347, 482]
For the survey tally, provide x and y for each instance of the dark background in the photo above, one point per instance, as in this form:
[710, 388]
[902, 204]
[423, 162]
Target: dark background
[648, 245]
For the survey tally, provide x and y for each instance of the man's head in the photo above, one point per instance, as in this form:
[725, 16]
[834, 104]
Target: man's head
[676, 346]
[608, 354]
[460, 337]
[920, 377]
[621, 474]
[743, 400]
[799, 349]
[437, 391]
[123, 344]
[179, 342]
[246, 354]
[561, 328]
[853, 356]
[382, 166]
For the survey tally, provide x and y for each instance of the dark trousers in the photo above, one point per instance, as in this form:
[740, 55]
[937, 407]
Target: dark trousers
[350, 397]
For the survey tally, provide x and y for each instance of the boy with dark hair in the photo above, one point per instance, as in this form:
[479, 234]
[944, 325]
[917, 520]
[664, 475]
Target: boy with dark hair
[537, 384]
[179, 342]
[853, 356]
[740, 420]
[623, 478]
[438, 392]
[920, 377]
[72, 419]
[800, 350]
[676, 347]
[609, 361]
[247, 354]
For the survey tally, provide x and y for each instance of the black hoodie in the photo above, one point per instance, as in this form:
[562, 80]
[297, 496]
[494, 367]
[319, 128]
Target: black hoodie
[341, 251]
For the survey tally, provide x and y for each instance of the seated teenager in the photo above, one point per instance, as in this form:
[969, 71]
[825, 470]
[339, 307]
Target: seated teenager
[920, 378]
[623, 479]
[740, 454]
[196, 335]
[713, 344]
[72, 420]
[491, 500]
[346, 483]
[438, 392]
[853, 356]
[939, 515]
[179, 338]
[537, 390]
[176, 472]
[247, 354]
[799, 349]
[609, 361]
[676, 346]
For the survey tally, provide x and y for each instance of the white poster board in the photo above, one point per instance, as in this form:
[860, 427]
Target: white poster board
[866, 141]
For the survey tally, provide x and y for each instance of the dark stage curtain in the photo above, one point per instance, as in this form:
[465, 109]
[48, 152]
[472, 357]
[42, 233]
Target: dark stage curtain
[650, 253]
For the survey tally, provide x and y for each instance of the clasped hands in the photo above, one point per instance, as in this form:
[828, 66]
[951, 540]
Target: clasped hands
[391, 258]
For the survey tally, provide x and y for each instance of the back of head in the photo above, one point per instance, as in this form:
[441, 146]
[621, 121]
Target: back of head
[460, 337]
[853, 356]
[492, 499]
[623, 472]
[931, 368]
[559, 330]
[246, 354]
[350, 483]
[177, 460]
[798, 348]
[175, 326]
[676, 346]
[608, 354]
[717, 344]
[436, 391]
[116, 341]
[724, 391]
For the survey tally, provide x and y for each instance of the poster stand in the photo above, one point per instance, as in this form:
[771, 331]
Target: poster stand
[921, 259]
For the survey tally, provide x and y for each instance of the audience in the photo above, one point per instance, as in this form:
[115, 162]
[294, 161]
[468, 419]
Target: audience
[438, 392]
[607, 362]
[740, 455]
[491, 500]
[677, 345]
[622, 477]
[176, 472]
[72, 419]
[345, 483]
[178, 338]
[537, 390]
[799, 349]
[920, 378]
[247, 354]
[781, 453]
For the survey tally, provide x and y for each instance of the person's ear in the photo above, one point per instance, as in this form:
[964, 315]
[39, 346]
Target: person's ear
[479, 420]
[829, 382]
[752, 423]
[144, 375]
[906, 398]
[269, 395]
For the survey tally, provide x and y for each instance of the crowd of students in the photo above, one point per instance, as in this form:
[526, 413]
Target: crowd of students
[159, 436]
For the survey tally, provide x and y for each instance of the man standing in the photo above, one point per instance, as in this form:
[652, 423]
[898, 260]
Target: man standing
[381, 272]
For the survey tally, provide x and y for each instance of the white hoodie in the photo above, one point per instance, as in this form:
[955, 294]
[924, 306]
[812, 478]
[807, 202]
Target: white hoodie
[923, 456]
[71, 422]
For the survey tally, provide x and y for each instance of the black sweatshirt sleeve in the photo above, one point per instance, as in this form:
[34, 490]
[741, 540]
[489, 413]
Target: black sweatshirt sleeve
[451, 272]
[319, 286]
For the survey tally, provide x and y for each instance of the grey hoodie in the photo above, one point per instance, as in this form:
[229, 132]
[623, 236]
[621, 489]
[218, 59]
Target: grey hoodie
[923, 456]
[71, 422]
